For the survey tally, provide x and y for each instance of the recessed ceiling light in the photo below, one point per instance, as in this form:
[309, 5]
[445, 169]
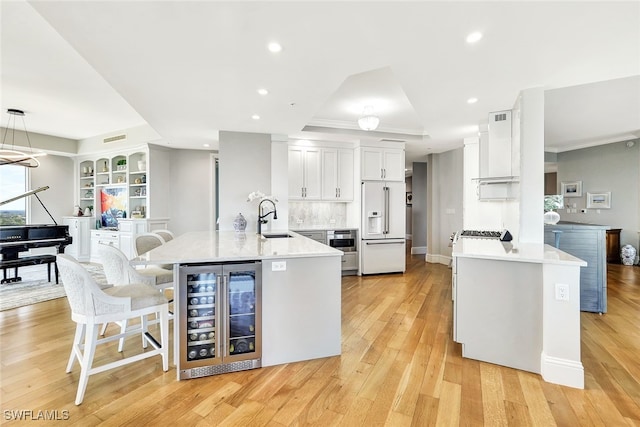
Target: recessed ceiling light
[263, 91]
[472, 100]
[205, 145]
[255, 117]
[474, 37]
[274, 47]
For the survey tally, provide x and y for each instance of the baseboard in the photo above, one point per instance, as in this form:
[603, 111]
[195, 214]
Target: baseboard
[438, 259]
[562, 371]
[418, 250]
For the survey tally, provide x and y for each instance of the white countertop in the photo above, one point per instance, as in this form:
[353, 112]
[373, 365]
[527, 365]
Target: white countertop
[222, 246]
[512, 251]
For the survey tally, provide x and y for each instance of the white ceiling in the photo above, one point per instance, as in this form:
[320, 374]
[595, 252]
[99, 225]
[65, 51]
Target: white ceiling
[191, 69]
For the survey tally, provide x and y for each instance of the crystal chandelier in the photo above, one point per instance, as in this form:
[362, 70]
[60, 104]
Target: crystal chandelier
[13, 156]
[368, 120]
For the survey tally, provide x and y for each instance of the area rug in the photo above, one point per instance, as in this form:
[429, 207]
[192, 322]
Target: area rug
[34, 287]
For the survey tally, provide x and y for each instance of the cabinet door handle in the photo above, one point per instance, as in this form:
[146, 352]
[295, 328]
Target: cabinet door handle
[339, 195]
[336, 193]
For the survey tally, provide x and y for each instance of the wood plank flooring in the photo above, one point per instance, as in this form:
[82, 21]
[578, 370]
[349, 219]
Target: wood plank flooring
[399, 367]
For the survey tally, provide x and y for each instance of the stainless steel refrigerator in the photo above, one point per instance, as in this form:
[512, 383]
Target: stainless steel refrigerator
[382, 238]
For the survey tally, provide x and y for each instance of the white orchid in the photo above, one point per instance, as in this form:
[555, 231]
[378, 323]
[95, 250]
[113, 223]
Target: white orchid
[259, 195]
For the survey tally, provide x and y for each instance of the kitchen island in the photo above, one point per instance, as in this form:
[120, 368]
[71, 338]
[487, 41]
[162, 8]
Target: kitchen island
[518, 305]
[300, 292]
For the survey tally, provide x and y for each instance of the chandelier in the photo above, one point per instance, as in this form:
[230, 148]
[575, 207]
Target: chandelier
[13, 156]
[368, 120]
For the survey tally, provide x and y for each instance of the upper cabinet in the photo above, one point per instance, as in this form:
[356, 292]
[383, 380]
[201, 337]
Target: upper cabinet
[304, 173]
[337, 174]
[382, 164]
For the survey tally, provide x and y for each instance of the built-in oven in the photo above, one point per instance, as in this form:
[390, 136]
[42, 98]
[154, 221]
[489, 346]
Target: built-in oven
[344, 240]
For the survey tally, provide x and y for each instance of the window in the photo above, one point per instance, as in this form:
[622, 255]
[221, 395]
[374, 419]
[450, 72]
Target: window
[13, 182]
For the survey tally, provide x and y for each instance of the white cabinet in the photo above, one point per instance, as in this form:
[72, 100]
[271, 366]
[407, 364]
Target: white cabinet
[102, 237]
[378, 164]
[304, 173]
[337, 174]
[80, 232]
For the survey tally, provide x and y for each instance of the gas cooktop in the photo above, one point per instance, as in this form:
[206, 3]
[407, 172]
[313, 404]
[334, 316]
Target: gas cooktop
[483, 234]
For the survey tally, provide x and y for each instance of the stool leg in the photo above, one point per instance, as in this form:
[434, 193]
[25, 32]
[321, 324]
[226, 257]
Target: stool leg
[49, 272]
[55, 265]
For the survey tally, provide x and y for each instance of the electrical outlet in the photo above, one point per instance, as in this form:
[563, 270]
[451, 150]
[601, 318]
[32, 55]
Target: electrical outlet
[562, 292]
[279, 266]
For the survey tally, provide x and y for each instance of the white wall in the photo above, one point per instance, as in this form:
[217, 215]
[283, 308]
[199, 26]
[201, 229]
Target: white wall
[444, 210]
[609, 167]
[57, 173]
[419, 208]
[135, 136]
[531, 133]
[245, 166]
[39, 142]
[280, 181]
[189, 190]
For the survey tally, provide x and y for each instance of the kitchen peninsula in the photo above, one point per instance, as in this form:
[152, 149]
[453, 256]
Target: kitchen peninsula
[300, 309]
[518, 305]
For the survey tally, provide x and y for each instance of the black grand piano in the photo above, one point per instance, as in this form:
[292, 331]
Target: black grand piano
[20, 238]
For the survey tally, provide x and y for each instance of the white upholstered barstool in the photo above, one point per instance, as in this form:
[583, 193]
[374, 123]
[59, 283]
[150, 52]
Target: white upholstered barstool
[91, 306]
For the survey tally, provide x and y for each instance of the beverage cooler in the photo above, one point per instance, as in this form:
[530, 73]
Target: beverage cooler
[219, 315]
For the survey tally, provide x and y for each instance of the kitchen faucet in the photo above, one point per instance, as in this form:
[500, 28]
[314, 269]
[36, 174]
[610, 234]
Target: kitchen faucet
[261, 219]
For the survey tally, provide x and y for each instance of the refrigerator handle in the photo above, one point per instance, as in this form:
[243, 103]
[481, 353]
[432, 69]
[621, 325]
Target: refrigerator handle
[386, 210]
[222, 314]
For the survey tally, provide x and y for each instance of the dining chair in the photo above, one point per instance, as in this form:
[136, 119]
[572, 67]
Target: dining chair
[117, 269]
[165, 234]
[92, 306]
[144, 242]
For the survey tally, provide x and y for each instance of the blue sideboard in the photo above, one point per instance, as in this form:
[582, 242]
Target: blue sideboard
[587, 242]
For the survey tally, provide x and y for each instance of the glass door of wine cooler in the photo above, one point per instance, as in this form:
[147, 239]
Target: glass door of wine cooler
[199, 316]
[220, 319]
[243, 313]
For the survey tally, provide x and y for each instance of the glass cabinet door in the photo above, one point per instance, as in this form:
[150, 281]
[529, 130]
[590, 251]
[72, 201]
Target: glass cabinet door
[244, 316]
[200, 337]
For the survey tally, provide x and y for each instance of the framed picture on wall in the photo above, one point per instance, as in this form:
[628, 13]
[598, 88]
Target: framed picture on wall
[409, 198]
[600, 200]
[571, 188]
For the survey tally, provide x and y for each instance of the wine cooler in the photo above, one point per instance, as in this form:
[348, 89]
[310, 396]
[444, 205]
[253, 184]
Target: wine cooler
[219, 310]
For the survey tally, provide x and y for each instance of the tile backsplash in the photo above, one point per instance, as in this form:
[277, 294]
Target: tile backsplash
[317, 214]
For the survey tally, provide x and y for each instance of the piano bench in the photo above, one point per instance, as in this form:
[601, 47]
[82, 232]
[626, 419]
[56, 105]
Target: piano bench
[23, 262]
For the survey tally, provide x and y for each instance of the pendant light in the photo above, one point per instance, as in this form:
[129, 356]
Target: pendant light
[368, 120]
[13, 156]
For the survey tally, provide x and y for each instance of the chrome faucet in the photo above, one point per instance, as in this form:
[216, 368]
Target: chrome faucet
[261, 218]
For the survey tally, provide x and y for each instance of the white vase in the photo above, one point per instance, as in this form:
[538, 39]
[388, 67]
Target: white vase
[551, 217]
[239, 224]
[142, 165]
[628, 255]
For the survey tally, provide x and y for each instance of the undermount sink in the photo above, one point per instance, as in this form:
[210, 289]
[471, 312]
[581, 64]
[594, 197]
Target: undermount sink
[276, 235]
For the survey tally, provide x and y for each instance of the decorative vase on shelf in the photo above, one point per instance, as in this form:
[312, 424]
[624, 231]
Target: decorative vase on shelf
[239, 224]
[142, 165]
[551, 217]
[87, 212]
[628, 255]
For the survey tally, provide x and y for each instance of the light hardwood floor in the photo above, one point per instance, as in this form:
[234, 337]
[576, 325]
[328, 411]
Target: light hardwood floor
[399, 366]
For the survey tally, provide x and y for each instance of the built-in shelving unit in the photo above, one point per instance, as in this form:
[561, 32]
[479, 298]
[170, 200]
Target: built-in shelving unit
[123, 179]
